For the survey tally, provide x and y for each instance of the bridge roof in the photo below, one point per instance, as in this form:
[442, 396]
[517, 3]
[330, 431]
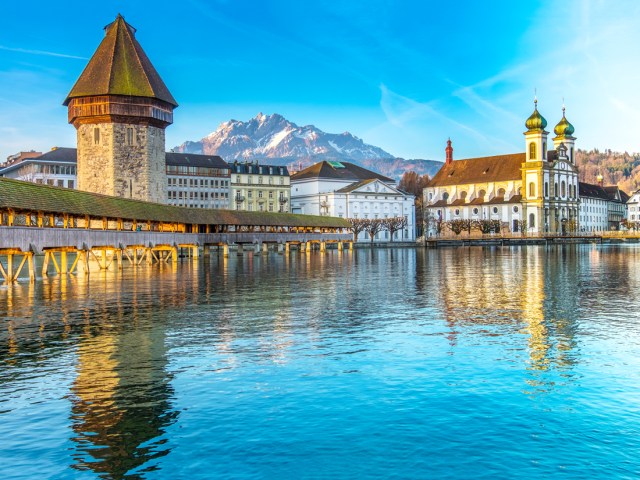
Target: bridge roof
[26, 196]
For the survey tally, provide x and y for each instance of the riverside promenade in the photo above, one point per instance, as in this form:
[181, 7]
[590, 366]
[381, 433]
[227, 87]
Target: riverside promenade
[508, 239]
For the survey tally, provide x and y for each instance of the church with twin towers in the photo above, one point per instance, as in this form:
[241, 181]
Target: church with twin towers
[537, 190]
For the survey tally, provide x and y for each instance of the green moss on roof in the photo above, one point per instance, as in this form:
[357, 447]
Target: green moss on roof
[120, 67]
[26, 196]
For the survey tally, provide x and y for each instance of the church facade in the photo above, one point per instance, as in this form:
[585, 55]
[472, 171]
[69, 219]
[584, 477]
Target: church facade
[537, 190]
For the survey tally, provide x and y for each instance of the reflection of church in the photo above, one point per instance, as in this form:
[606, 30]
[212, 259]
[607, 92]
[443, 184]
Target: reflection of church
[537, 190]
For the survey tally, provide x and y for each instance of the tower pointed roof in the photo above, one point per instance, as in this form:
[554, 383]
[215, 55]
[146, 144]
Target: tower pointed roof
[120, 67]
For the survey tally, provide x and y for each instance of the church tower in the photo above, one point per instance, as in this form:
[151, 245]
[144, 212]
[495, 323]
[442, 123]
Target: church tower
[120, 108]
[534, 180]
[564, 135]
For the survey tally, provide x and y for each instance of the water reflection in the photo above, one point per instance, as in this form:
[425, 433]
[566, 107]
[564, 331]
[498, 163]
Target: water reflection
[130, 348]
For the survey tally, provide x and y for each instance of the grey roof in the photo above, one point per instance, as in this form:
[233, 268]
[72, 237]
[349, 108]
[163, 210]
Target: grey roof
[256, 169]
[61, 154]
[195, 160]
[349, 171]
[592, 191]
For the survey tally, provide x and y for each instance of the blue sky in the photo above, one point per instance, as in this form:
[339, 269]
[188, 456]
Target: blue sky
[401, 75]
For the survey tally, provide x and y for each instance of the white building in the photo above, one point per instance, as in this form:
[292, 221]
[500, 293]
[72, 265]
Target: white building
[260, 188]
[633, 207]
[199, 181]
[56, 167]
[594, 208]
[341, 189]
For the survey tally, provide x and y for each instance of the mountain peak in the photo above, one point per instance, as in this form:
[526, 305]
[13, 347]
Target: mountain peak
[271, 136]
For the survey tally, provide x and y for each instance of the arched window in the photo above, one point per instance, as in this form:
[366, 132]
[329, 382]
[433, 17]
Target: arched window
[532, 151]
[445, 196]
[481, 194]
[555, 189]
[501, 192]
[546, 189]
[532, 220]
[563, 189]
[532, 189]
[571, 154]
[544, 150]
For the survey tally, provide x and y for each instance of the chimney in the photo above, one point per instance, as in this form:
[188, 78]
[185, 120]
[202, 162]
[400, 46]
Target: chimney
[449, 151]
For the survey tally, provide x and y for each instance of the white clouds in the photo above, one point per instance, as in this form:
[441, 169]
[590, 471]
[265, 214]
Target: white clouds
[41, 52]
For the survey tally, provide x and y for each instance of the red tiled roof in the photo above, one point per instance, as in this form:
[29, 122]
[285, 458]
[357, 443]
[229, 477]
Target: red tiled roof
[480, 170]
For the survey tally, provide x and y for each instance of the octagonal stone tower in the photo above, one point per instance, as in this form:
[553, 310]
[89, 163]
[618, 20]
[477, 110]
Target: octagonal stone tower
[120, 108]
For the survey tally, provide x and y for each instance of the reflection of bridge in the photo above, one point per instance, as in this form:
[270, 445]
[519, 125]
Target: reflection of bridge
[55, 221]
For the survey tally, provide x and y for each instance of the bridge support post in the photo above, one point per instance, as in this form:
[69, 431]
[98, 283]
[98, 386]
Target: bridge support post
[225, 250]
[119, 258]
[351, 246]
[303, 246]
[240, 250]
[340, 246]
[63, 263]
[265, 248]
[286, 248]
[206, 251]
[323, 247]
[280, 248]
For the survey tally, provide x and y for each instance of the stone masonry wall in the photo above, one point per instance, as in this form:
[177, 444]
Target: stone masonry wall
[124, 160]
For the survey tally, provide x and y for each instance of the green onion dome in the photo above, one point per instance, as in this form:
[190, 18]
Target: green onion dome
[535, 121]
[564, 128]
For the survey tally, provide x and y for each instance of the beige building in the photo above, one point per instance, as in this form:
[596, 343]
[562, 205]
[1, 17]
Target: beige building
[260, 188]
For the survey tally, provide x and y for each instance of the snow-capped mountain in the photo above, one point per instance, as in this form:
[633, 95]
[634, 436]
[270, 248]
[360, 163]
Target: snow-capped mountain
[275, 137]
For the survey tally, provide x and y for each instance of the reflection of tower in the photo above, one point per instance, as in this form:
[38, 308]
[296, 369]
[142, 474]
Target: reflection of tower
[533, 310]
[122, 396]
[120, 107]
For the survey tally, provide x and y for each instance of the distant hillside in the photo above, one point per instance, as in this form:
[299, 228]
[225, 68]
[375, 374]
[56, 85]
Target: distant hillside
[622, 169]
[274, 140]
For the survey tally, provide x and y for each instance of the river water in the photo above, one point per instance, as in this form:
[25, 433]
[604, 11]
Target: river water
[453, 363]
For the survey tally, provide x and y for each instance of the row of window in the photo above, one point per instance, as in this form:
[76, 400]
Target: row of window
[57, 183]
[260, 208]
[193, 182]
[260, 180]
[201, 195]
[48, 169]
[197, 171]
[239, 195]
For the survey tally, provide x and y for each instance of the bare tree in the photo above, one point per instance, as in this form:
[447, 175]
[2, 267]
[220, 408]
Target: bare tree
[393, 225]
[358, 225]
[373, 226]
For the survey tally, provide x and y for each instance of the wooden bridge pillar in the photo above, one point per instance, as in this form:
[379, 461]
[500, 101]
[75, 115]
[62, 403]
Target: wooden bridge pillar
[206, 251]
[265, 248]
[240, 250]
[340, 246]
[9, 274]
[280, 248]
[286, 248]
[225, 250]
[303, 246]
[323, 246]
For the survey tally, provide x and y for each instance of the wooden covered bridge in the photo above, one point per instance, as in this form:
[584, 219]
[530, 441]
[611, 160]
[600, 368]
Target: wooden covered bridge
[73, 228]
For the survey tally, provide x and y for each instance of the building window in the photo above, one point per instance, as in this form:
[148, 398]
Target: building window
[532, 151]
[259, 193]
[129, 136]
[61, 183]
[495, 209]
[96, 136]
[532, 189]
[70, 184]
[563, 189]
[457, 212]
[445, 196]
[544, 150]
[555, 189]
[546, 189]
[270, 194]
[515, 209]
[475, 211]
[532, 220]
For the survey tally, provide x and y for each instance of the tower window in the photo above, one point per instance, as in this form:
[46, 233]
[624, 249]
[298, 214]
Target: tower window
[544, 150]
[532, 189]
[532, 220]
[96, 136]
[130, 138]
[532, 151]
